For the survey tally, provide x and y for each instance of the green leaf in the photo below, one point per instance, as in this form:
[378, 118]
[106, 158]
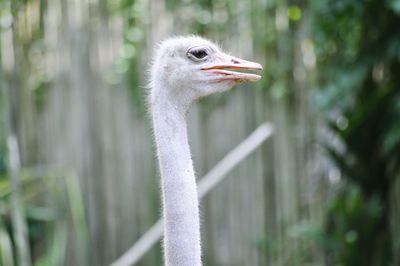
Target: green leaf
[394, 5]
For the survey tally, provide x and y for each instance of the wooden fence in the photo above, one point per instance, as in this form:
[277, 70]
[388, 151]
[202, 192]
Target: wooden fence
[90, 124]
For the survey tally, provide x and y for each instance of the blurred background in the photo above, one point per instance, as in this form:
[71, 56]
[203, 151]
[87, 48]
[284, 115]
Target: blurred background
[78, 176]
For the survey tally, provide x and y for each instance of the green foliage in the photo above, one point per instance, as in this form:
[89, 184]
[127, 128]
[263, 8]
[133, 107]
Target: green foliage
[6, 248]
[127, 67]
[358, 51]
[53, 208]
[352, 224]
[294, 13]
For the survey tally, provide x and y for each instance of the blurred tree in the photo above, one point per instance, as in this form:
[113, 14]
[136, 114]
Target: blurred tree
[358, 46]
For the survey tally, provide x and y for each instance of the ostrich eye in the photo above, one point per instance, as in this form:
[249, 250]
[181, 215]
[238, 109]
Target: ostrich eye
[197, 53]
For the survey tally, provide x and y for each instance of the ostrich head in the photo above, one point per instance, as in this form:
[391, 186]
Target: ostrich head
[188, 68]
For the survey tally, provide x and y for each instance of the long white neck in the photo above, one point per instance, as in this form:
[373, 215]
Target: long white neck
[180, 201]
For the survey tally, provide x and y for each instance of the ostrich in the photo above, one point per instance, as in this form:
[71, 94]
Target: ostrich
[184, 70]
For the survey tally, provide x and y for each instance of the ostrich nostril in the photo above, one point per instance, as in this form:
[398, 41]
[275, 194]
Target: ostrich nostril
[235, 61]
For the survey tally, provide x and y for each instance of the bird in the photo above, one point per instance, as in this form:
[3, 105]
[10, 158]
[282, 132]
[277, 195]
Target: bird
[185, 69]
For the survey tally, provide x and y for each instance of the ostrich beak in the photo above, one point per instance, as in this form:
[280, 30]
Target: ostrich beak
[228, 63]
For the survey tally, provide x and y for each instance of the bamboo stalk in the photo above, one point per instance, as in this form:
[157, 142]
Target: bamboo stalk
[20, 231]
[17, 210]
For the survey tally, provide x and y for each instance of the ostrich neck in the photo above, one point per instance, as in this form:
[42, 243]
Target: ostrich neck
[180, 201]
